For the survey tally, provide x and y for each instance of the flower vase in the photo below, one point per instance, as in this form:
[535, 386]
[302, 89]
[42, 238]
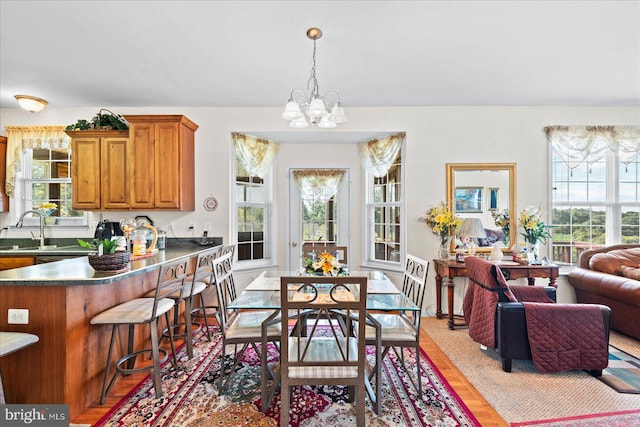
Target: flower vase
[444, 248]
[50, 220]
[534, 248]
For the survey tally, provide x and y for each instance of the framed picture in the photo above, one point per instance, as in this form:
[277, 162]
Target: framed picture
[492, 199]
[468, 199]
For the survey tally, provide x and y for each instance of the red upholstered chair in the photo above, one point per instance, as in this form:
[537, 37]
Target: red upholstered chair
[524, 322]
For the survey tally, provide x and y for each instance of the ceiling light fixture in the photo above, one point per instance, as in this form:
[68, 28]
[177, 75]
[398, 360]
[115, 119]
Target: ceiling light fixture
[31, 103]
[319, 110]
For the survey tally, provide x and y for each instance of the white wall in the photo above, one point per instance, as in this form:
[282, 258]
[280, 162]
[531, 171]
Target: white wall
[435, 136]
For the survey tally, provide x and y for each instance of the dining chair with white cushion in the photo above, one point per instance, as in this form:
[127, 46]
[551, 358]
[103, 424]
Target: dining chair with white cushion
[401, 329]
[328, 353]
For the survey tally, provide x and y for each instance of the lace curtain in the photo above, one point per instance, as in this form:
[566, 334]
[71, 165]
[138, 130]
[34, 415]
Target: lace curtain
[20, 138]
[588, 144]
[377, 155]
[254, 154]
[318, 184]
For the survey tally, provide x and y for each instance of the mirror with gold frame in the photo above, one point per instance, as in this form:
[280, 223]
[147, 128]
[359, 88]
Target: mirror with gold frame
[476, 190]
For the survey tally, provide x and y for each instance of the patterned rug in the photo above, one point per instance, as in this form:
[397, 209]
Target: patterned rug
[623, 372]
[191, 396]
[617, 419]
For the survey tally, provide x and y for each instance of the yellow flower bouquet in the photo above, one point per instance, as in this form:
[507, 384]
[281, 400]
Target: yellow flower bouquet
[47, 209]
[443, 222]
[325, 265]
[534, 228]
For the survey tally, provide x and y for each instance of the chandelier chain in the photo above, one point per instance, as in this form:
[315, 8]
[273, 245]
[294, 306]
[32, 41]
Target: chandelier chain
[315, 91]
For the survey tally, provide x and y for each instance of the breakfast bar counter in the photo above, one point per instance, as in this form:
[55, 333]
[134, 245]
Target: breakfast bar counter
[67, 364]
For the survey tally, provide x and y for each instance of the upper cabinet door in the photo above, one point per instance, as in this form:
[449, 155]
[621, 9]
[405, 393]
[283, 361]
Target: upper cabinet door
[115, 176]
[85, 173]
[142, 137]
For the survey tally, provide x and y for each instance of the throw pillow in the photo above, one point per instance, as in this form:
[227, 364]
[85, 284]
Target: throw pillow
[631, 272]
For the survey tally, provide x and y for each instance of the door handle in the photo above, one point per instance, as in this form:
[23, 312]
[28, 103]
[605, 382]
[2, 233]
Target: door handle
[294, 244]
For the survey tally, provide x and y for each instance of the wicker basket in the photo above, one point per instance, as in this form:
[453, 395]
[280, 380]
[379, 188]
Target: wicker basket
[109, 262]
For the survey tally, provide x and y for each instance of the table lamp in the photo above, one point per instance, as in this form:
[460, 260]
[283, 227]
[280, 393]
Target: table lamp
[472, 228]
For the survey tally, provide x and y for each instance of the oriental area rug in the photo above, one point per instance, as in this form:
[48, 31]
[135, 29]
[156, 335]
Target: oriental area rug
[191, 396]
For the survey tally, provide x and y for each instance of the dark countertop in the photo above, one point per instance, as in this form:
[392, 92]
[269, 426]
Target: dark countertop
[77, 271]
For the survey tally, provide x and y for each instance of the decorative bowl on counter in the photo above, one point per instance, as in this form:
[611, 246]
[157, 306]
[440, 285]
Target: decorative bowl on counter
[109, 262]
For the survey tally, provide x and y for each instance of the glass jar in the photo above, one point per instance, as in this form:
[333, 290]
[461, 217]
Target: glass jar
[139, 241]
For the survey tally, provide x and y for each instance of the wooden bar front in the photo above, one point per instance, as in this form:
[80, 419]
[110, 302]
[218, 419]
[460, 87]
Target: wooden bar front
[67, 364]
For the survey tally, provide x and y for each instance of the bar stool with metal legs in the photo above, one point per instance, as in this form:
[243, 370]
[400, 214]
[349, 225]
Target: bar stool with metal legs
[11, 342]
[142, 311]
[194, 286]
[210, 307]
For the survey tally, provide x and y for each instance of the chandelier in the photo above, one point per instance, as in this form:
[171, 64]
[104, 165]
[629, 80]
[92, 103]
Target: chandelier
[320, 111]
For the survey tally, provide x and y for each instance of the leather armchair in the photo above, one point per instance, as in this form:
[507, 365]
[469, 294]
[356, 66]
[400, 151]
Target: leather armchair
[511, 335]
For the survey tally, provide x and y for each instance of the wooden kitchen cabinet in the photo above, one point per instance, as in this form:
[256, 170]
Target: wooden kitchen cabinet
[162, 162]
[99, 169]
[7, 263]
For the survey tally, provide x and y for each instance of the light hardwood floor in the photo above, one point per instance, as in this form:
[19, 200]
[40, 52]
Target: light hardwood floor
[485, 414]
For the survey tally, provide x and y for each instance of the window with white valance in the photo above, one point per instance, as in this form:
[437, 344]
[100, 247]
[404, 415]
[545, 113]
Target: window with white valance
[39, 172]
[382, 161]
[595, 196]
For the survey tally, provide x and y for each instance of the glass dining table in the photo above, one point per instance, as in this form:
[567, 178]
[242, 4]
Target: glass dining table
[263, 292]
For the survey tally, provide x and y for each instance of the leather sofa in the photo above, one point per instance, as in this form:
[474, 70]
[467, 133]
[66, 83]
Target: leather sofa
[611, 276]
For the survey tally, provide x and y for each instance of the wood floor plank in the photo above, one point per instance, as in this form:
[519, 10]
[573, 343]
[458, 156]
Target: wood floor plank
[477, 404]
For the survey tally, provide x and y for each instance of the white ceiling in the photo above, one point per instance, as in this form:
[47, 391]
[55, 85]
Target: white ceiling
[373, 53]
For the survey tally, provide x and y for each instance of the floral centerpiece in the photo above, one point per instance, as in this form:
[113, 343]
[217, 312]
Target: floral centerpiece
[444, 223]
[502, 220]
[47, 209]
[535, 230]
[325, 265]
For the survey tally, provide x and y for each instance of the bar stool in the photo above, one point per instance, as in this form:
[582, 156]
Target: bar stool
[206, 309]
[141, 311]
[11, 342]
[195, 285]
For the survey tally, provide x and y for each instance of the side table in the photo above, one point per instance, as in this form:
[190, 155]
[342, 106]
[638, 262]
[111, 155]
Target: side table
[448, 269]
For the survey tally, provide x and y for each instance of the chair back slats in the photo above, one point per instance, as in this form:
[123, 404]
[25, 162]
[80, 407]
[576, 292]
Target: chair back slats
[225, 286]
[415, 279]
[171, 280]
[313, 251]
[330, 341]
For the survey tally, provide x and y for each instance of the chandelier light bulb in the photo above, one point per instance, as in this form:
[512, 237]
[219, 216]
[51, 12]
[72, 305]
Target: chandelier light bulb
[299, 123]
[316, 107]
[292, 111]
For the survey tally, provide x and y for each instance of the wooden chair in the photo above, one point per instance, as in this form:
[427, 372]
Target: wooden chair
[141, 311]
[11, 342]
[311, 250]
[334, 356]
[245, 328]
[400, 330]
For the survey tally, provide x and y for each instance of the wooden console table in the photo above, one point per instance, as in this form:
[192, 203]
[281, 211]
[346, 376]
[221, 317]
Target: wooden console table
[448, 269]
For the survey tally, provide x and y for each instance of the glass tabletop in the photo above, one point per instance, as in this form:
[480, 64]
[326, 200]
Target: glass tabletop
[264, 293]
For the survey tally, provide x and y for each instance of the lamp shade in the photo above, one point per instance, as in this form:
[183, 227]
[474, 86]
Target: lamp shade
[326, 122]
[337, 113]
[31, 103]
[316, 108]
[472, 227]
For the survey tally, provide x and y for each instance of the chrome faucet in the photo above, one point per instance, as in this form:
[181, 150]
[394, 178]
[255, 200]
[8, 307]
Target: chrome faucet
[19, 225]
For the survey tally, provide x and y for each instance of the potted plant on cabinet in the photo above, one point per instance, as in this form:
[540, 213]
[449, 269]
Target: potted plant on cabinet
[104, 120]
[109, 256]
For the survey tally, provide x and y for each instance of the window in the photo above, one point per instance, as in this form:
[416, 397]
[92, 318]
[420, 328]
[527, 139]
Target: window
[384, 205]
[45, 179]
[320, 221]
[593, 205]
[252, 199]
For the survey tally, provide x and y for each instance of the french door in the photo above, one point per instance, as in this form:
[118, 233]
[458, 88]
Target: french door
[317, 221]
